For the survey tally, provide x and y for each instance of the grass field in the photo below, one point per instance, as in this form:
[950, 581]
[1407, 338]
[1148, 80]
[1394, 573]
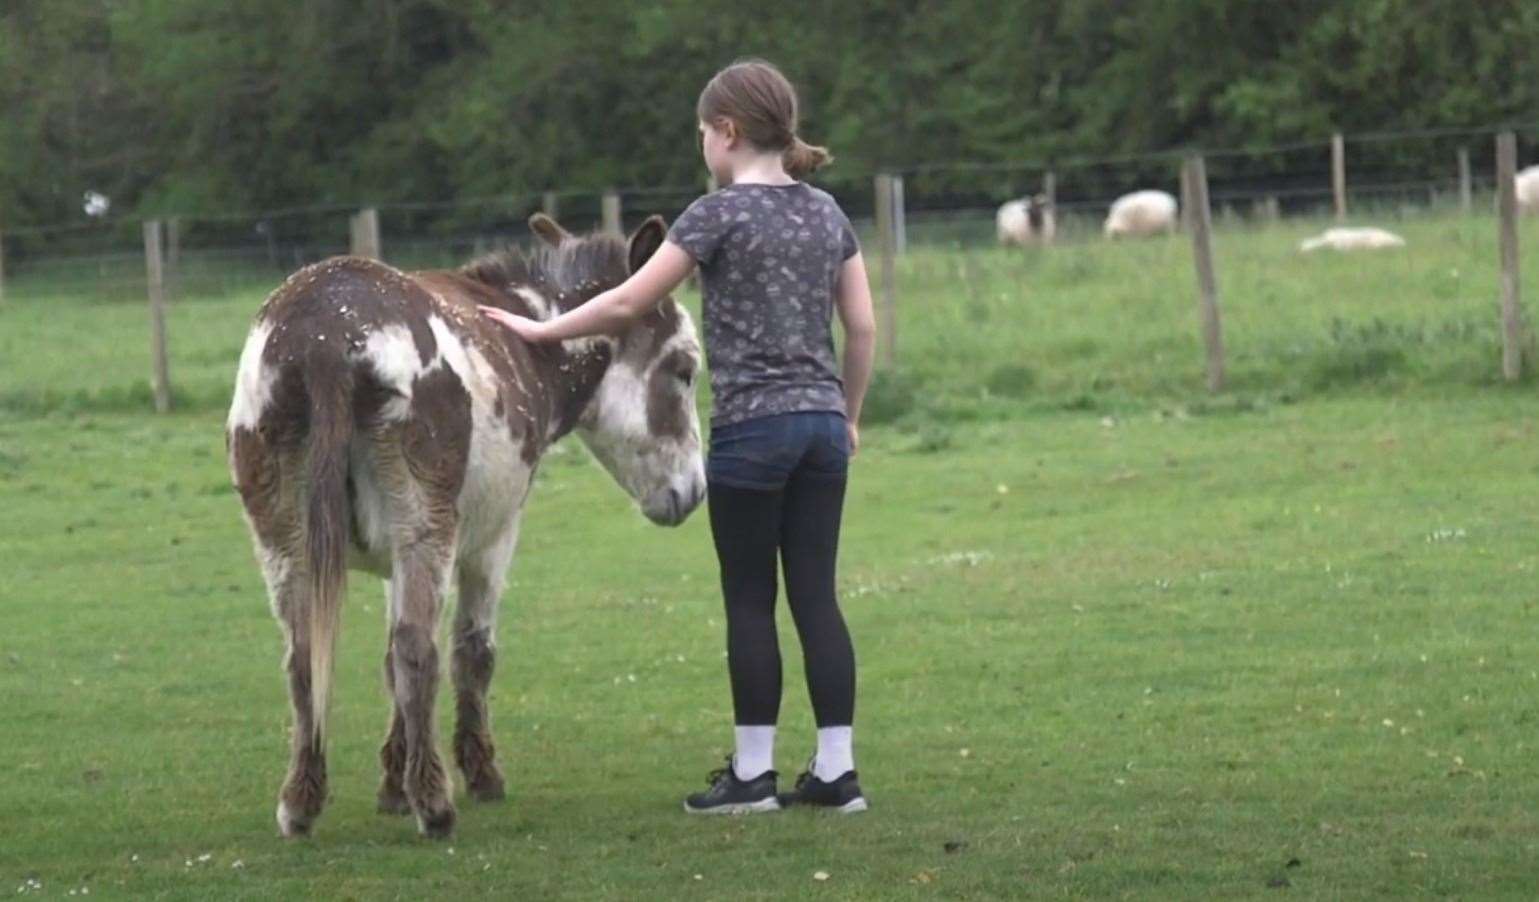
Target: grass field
[1116, 638]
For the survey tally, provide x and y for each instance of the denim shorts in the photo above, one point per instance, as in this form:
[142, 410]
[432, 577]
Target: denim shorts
[765, 452]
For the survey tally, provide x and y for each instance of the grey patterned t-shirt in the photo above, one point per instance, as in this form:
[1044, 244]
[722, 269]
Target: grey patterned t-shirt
[769, 259]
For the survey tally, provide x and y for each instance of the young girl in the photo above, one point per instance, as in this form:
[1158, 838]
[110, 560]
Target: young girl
[777, 257]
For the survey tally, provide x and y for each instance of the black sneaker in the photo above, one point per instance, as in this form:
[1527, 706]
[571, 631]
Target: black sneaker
[842, 795]
[729, 795]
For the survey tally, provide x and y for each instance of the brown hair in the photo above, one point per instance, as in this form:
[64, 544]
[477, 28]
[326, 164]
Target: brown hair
[760, 101]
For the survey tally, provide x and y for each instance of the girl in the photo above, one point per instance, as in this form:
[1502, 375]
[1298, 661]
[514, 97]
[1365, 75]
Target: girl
[777, 257]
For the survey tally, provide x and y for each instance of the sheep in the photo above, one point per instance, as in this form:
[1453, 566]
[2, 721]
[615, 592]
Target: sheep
[1354, 239]
[1527, 183]
[1141, 213]
[1026, 221]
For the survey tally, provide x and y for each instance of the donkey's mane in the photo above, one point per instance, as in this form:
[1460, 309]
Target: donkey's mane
[568, 274]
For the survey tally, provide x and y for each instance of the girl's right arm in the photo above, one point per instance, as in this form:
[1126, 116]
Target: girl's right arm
[854, 304]
[609, 311]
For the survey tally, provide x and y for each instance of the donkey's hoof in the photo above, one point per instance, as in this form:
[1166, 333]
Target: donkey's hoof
[291, 823]
[393, 802]
[486, 787]
[436, 824]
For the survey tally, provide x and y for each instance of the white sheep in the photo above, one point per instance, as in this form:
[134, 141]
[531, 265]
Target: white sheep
[1025, 222]
[1141, 213]
[1352, 239]
[1527, 183]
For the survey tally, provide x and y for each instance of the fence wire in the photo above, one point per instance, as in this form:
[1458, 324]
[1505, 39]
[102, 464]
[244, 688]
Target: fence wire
[212, 254]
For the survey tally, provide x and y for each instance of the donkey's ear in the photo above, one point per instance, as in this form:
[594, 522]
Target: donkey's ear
[548, 230]
[645, 241]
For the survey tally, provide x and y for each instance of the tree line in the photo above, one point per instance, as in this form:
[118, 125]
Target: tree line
[186, 106]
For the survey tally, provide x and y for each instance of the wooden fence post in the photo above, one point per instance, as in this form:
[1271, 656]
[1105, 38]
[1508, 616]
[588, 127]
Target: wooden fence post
[1339, 175]
[886, 232]
[1466, 193]
[1512, 317]
[1196, 199]
[154, 266]
[611, 211]
[1050, 201]
[365, 233]
[899, 217]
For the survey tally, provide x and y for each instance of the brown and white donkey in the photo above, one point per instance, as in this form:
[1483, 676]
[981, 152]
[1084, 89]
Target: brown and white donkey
[381, 424]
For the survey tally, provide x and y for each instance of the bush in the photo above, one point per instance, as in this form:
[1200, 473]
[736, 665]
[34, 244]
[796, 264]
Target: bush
[893, 393]
[1011, 380]
[931, 438]
[1363, 352]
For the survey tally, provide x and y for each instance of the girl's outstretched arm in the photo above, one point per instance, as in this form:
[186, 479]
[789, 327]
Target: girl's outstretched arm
[854, 304]
[612, 310]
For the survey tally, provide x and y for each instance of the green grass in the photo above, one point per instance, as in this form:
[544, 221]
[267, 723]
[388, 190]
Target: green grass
[1116, 324]
[1116, 639]
[982, 331]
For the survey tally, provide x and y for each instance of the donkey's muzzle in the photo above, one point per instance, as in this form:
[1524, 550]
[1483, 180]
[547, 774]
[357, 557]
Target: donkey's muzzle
[674, 507]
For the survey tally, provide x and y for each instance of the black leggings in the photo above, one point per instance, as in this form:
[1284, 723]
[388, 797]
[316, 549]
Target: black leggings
[801, 523]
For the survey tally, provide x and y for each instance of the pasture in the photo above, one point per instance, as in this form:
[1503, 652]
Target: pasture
[1117, 638]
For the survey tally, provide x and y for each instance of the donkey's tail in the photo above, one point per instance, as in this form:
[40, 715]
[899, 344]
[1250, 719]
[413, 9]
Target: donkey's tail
[330, 387]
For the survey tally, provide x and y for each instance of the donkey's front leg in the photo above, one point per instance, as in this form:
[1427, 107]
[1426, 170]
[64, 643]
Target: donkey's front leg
[416, 599]
[481, 579]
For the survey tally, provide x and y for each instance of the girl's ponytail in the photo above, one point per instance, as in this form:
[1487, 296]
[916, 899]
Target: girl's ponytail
[802, 159]
[762, 104]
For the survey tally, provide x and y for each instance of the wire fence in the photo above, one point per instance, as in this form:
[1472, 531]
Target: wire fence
[1380, 179]
[1386, 174]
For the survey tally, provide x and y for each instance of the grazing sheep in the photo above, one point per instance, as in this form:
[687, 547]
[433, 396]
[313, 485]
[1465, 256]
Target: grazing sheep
[1364, 239]
[1141, 213]
[1025, 222]
[1528, 190]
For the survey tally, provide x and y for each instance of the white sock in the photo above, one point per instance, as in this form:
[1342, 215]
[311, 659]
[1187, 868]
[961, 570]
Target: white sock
[835, 756]
[755, 751]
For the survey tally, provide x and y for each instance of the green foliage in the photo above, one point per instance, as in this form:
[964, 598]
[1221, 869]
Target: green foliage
[893, 394]
[1364, 352]
[185, 106]
[1011, 380]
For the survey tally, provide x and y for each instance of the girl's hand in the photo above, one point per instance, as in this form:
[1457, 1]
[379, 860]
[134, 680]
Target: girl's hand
[854, 438]
[529, 330]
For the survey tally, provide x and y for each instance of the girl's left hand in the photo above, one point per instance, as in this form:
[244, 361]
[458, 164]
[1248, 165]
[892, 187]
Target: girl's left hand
[528, 329]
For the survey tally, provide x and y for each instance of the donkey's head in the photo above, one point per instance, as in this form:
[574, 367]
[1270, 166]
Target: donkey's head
[642, 423]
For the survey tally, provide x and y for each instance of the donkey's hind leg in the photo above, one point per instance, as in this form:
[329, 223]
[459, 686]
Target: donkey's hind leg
[304, 789]
[481, 580]
[392, 754]
[416, 598]
[262, 474]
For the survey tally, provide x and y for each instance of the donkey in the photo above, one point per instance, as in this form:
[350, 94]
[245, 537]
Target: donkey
[381, 424]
